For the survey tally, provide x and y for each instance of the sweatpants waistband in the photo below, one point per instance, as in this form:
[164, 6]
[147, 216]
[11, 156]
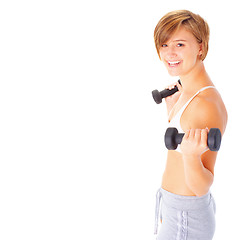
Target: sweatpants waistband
[185, 203]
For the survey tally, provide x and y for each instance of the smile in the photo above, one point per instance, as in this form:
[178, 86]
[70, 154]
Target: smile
[173, 63]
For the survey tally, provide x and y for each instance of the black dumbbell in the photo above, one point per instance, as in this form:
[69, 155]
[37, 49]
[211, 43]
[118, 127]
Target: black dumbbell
[158, 96]
[173, 138]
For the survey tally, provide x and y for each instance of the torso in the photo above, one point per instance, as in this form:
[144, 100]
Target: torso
[174, 178]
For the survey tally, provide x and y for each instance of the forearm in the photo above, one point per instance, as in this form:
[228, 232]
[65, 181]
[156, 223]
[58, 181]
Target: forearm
[198, 178]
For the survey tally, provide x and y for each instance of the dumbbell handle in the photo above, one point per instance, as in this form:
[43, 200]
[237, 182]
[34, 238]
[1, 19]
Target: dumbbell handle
[165, 93]
[179, 138]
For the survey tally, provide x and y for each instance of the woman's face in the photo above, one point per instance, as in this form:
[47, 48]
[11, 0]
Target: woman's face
[181, 53]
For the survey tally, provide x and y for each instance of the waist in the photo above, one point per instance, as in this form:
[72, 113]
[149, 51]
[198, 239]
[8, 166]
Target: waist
[173, 179]
[185, 203]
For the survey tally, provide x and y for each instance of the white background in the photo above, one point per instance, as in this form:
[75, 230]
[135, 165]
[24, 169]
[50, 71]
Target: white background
[82, 151]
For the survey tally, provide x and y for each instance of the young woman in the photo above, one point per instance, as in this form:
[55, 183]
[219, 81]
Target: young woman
[187, 206]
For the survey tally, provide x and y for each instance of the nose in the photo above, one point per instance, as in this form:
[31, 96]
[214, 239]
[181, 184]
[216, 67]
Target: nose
[171, 52]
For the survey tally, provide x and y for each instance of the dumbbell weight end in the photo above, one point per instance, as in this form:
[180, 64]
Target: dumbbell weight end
[173, 138]
[214, 139]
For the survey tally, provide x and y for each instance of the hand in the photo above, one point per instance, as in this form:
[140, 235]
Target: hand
[194, 142]
[171, 100]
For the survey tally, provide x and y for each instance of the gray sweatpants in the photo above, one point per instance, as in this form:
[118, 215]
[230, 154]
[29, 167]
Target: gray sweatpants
[184, 217]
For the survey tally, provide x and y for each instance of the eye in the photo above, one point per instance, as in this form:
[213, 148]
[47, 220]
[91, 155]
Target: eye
[164, 45]
[180, 45]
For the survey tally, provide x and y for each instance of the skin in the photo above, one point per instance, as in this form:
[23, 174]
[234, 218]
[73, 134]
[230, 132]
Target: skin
[191, 172]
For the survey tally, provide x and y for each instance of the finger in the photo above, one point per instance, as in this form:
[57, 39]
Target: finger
[198, 134]
[204, 136]
[179, 86]
[170, 87]
[187, 133]
[192, 133]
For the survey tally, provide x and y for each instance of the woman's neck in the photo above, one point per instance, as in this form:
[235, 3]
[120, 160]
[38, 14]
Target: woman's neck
[196, 79]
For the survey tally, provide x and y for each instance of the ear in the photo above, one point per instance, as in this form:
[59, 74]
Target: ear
[200, 53]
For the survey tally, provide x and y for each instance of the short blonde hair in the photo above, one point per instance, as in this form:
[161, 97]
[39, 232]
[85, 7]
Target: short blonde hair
[172, 21]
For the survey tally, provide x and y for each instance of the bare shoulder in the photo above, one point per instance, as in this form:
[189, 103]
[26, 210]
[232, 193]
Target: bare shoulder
[207, 110]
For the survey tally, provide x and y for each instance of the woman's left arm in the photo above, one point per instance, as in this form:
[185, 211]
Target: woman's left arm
[198, 161]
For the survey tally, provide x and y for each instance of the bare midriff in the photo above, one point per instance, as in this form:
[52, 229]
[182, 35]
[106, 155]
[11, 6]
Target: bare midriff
[173, 179]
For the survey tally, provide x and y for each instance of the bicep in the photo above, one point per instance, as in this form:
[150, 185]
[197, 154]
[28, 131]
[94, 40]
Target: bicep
[208, 117]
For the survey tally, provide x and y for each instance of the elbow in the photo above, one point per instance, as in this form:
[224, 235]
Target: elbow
[200, 188]
[202, 193]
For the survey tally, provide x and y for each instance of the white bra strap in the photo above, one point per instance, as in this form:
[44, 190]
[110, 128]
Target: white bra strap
[204, 88]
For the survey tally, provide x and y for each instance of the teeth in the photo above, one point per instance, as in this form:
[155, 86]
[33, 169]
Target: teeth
[172, 63]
